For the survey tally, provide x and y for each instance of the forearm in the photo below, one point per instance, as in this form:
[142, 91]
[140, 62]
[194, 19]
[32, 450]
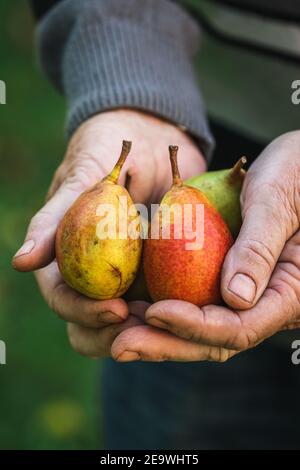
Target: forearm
[124, 53]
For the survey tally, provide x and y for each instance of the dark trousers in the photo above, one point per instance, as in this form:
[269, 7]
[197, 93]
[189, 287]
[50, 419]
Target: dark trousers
[250, 402]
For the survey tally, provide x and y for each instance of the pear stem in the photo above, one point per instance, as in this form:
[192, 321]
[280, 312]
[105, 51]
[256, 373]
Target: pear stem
[237, 172]
[173, 149]
[115, 173]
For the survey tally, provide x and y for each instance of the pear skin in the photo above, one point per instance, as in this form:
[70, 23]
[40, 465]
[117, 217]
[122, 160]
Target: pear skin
[171, 270]
[99, 267]
[223, 189]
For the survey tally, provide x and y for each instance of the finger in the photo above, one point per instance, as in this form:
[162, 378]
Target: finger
[212, 325]
[145, 343]
[74, 307]
[97, 343]
[38, 248]
[139, 187]
[295, 325]
[156, 184]
[251, 260]
[219, 326]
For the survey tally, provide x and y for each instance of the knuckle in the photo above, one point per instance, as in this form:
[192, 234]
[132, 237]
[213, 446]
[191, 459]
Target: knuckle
[88, 318]
[77, 182]
[275, 193]
[250, 338]
[57, 179]
[98, 320]
[285, 195]
[223, 355]
[76, 342]
[122, 346]
[81, 176]
[73, 337]
[39, 220]
[279, 199]
[236, 342]
[194, 336]
[258, 251]
[237, 339]
[59, 173]
[218, 354]
[245, 337]
[55, 301]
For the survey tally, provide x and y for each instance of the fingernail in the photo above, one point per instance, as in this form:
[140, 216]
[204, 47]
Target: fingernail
[129, 356]
[154, 321]
[25, 249]
[109, 317]
[243, 286]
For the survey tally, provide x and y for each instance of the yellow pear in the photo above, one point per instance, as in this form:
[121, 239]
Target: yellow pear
[98, 245]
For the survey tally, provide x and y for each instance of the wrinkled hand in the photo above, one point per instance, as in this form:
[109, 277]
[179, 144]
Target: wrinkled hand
[91, 154]
[260, 278]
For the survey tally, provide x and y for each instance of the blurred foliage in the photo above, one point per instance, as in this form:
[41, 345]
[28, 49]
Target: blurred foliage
[47, 392]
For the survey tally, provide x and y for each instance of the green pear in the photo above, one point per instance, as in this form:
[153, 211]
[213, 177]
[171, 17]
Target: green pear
[223, 189]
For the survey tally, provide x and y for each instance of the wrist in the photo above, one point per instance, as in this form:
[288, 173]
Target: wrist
[121, 54]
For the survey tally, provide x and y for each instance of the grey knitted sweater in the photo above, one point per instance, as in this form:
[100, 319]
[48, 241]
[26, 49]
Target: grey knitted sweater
[124, 53]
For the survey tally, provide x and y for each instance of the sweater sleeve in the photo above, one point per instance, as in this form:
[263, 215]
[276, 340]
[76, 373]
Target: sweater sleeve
[112, 54]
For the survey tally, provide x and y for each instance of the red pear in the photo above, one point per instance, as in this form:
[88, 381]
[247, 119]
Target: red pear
[186, 245]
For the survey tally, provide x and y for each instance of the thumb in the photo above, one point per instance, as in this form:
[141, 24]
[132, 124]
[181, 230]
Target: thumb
[249, 263]
[38, 249]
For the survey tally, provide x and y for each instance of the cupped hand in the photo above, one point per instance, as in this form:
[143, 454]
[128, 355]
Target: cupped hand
[91, 155]
[260, 278]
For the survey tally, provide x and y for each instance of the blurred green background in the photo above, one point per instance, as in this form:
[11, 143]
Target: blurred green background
[47, 392]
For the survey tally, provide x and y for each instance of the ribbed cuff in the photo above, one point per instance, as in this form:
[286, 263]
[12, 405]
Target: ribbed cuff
[125, 53]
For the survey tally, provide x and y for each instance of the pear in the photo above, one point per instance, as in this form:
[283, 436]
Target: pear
[100, 263]
[223, 189]
[187, 264]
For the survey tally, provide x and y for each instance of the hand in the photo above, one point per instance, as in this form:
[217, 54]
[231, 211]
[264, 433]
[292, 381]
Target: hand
[91, 154]
[260, 278]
